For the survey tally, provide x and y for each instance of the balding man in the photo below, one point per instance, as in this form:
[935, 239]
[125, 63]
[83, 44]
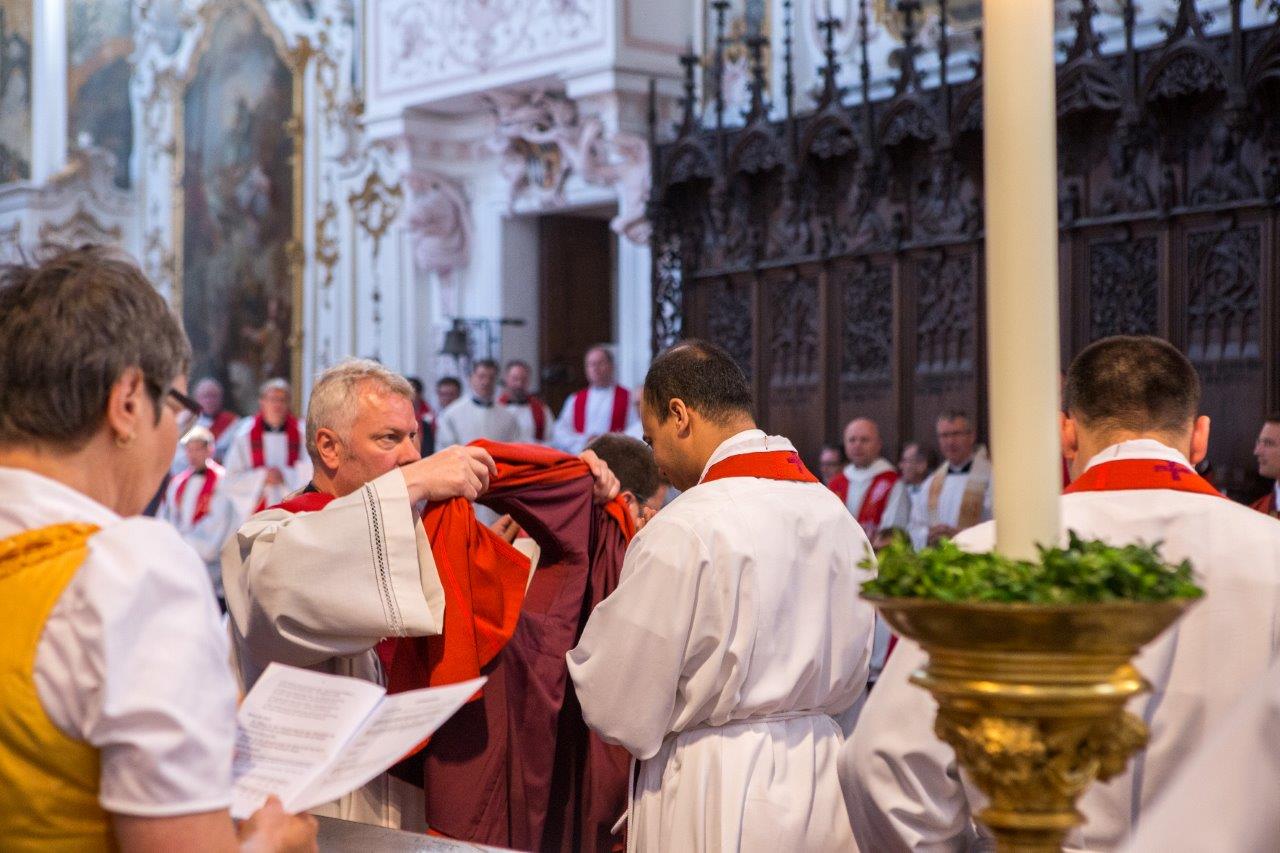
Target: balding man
[602, 407]
[1133, 436]
[869, 485]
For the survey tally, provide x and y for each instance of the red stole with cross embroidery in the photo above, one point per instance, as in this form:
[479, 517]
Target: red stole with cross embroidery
[1128, 474]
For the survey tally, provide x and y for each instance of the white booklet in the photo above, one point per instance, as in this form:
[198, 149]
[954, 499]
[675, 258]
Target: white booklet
[309, 738]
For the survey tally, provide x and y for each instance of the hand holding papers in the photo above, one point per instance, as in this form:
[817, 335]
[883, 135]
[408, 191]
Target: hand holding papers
[310, 738]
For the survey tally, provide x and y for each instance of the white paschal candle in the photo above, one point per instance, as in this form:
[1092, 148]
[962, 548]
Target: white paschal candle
[1020, 166]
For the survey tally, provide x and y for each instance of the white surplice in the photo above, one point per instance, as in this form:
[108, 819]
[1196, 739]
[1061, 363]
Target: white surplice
[206, 536]
[897, 510]
[599, 419]
[1225, 796]
[526, 429]
[466, 419]
[948, 510]
[734, 636]
[902, 784]
[246, 485]
[133, 659]
[320, 589]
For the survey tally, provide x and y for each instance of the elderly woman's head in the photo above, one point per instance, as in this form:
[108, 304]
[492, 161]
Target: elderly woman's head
[89, 352]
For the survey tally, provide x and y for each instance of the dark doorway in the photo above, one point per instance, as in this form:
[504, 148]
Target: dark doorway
[575, 281]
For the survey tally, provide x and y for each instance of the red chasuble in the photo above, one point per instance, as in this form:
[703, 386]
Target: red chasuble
[618, 420]
[1127, 474]
[517, 768]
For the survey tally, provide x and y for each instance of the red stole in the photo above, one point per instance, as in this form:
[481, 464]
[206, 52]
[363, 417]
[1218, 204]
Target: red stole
[618, 422]
[1127, 474]
[220, 423]
[539, 414]
[212, 473]
[1266, 504]
[765, 465]
[874, 501]
[292, 432]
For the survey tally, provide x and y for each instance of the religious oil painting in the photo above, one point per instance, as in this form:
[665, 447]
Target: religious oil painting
[237, 188]
[15, 90]
[99, 42]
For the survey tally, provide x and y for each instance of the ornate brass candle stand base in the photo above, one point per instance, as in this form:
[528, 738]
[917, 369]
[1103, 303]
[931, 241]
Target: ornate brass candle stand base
[1031, 698]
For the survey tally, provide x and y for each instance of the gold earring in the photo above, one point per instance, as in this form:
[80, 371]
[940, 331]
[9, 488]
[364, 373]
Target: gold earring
[124, 440]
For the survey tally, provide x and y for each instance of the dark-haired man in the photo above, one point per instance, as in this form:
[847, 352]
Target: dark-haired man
[1132, 434]
[639, 482]
[448, 389]
[477, 415]
[718, 662]
[1267, 451]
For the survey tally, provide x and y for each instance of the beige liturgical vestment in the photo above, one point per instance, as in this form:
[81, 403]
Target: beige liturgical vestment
[902, 784]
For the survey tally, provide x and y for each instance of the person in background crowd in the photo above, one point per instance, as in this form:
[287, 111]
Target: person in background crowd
[119, 707]
[1267, 451]
[533, 416]
[268, 458]
[426, 418]
[869, 485]
[477, 415]
[958, 494]
[195, 505]
[830, 461]
[448, 389]
[603, 406]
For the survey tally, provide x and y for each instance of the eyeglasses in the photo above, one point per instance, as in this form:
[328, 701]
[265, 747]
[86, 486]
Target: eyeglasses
[183, 403]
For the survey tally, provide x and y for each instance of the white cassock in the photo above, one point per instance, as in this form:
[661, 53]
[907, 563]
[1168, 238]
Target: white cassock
[734, 636]
[897, 510]
[1225, 796]
[599, 419]
[467, 419]
[246, 486]
[207, 535]
[321, 589]
[526, 429]
[948, 508]
[902, 784]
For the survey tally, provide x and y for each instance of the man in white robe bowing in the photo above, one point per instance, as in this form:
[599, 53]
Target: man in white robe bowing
[869, 485]
[268, 457]
[735, 632]
[958, 494]
[602, 407]
[1133, 436]
[321, 589]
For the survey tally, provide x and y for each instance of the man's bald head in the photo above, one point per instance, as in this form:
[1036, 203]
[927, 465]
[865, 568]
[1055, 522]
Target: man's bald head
[862, 444]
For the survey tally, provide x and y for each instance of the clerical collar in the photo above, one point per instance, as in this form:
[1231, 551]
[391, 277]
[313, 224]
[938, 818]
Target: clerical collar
[484, 404]
[963, 469]
[266, 427]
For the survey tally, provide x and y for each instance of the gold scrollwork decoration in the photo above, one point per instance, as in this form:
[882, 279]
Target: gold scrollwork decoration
[376, 206]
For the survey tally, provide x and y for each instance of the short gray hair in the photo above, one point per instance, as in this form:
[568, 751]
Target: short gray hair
[333, 405]
[70, 325]
[276, 384]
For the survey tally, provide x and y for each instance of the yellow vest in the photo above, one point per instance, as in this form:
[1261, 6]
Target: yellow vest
[48, 780]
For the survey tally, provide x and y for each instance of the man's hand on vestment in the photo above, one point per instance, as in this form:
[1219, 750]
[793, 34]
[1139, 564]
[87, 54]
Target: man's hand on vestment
[455, 472]
[606, 485]
[274, 477]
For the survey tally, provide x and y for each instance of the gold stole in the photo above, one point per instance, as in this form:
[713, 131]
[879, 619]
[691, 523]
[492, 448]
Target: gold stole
[975, 489]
